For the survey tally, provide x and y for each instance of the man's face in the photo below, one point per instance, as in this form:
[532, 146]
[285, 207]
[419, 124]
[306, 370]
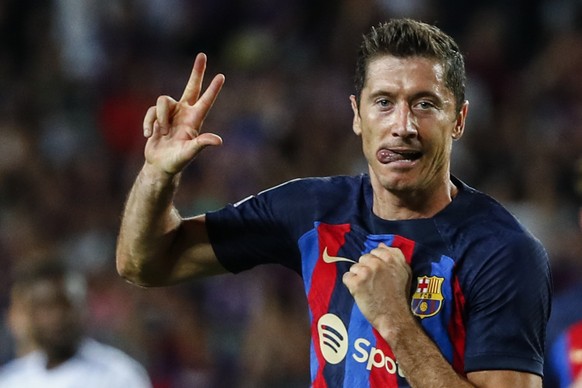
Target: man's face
[55, 311]
[407, 120]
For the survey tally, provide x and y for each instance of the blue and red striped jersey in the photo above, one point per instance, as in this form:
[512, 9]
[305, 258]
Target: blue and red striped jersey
[481, 284]
[565, 356]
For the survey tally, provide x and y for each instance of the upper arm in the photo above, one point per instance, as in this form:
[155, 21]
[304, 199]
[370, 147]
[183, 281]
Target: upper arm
[189, 255]
[504, 379]
[192, 254]
[508, 309]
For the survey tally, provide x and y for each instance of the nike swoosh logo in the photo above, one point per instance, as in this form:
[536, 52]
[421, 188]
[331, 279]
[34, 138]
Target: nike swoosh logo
[334, 259]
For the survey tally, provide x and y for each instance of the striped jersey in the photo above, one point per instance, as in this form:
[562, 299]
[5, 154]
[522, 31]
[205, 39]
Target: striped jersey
[480, 282]
[565, 356]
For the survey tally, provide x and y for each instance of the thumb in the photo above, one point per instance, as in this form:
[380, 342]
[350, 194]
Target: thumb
[207, 139]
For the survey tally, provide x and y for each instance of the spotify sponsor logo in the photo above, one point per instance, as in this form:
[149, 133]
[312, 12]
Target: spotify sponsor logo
[333, 338]
[334, 345]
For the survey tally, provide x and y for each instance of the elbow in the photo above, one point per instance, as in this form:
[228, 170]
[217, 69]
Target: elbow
[141, 271]
[130, 272]
[122, 267]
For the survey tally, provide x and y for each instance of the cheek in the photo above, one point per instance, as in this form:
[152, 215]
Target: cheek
[373, 131]
[440, 151]
[368, 146]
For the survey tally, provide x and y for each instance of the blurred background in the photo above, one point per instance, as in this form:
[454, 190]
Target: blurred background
[76, 77]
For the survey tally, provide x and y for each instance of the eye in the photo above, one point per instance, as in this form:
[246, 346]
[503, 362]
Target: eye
[425, 105]
[383, 102]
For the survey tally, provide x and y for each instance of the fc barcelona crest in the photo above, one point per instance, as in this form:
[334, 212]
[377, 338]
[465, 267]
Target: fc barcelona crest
[428, 298]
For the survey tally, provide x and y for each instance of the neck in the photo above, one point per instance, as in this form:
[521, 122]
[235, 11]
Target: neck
[413, 204]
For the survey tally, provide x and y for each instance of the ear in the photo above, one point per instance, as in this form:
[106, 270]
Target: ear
[460, 121]
[356, 125]
[18, 321]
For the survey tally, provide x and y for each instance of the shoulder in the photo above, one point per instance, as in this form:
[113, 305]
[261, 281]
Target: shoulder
[94, 350]
[299, 199]
[482, 218]
[112, 360]
[316, 194]
[331, 185]
[478, 207]
[490, 240]
[11, 373]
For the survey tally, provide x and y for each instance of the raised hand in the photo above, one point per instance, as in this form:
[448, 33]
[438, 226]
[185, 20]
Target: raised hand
[173, 127]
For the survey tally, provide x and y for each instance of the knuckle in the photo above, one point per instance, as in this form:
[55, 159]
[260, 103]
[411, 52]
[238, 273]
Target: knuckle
[164, 100]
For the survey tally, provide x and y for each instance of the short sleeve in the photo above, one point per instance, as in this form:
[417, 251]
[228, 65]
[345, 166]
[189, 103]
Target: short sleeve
[259, 229]
[508, 306]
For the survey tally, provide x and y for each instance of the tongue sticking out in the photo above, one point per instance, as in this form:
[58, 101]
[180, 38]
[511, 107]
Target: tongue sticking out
[387, 156]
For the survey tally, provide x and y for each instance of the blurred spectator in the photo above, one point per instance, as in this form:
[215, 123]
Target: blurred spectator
[74, 74]
[76, 25]
[47, 317]
[564, 359]
[278, 329]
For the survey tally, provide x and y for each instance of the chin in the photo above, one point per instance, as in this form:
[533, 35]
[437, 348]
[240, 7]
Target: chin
[398, 184]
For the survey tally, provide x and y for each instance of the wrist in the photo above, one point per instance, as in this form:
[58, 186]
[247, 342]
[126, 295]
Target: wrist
[393, 328]
[157, 176]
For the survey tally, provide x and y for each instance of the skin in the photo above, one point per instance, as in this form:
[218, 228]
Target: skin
[18, 323]
[53, 313]
[404, 108]
[163, 248]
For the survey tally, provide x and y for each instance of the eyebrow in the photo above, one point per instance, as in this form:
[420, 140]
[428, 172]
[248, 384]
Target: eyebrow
[416, 96]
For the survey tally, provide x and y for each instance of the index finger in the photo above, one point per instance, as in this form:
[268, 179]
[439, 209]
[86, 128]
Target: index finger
[194, 85]
[384, 252]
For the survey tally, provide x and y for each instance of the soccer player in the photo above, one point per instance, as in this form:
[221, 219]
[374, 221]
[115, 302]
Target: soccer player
[412, 277]
[48, 300]
[565, 356]
[564, 359]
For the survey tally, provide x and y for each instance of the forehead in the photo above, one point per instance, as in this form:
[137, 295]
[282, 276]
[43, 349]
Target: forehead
[47, 290]
[410, 74]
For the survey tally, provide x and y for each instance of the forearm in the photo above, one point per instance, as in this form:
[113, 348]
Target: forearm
[424, 366]
[149, 226]
[418, 356]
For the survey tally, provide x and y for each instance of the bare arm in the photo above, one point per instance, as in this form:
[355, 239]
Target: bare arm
[379, 284]
[424, 366]
[156, 246]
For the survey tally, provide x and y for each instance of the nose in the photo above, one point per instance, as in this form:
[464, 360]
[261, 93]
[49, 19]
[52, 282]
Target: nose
[404, 124]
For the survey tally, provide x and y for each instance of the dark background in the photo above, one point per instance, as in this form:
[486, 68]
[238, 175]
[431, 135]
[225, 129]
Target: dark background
[76, 77]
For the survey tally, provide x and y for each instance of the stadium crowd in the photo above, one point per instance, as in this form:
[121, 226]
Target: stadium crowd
[78, 75]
